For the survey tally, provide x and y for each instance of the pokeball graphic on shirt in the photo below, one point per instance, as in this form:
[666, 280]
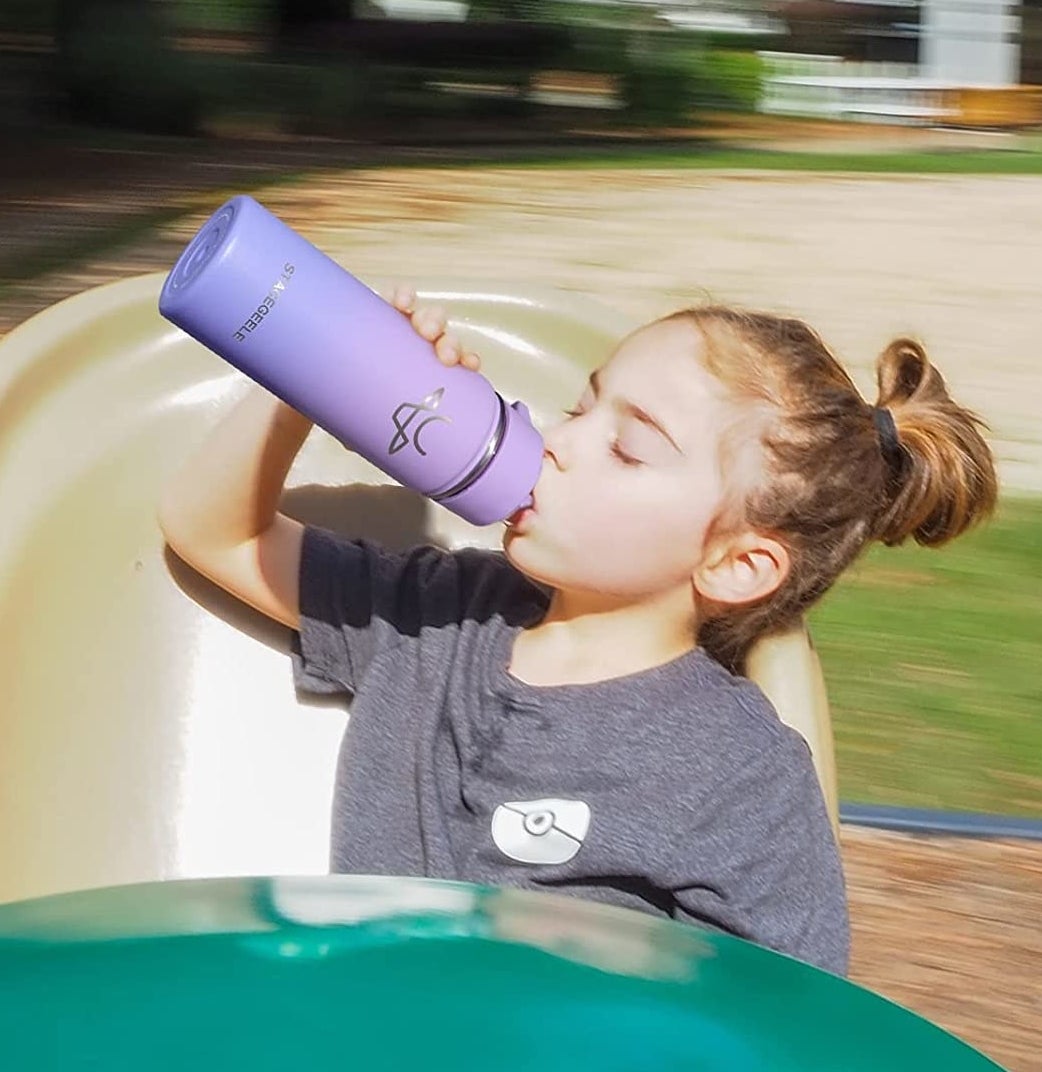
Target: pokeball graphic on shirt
[546, 831]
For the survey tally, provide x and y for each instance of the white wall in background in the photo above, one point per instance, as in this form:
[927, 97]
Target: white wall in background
[970, 42]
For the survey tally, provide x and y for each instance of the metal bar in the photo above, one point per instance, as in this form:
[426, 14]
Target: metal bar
[950, 823]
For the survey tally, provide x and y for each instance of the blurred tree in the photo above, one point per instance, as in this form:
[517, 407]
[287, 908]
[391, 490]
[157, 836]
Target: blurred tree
[25, 16]
[301, 22]
[513, 10]
[114, 66]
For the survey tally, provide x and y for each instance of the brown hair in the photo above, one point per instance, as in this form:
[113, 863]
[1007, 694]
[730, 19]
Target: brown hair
[834, 473]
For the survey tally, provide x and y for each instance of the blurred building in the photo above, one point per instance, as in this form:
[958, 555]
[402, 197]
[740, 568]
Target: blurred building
[958, 62]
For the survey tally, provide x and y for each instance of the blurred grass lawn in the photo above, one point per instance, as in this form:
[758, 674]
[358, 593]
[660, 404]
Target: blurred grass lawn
[932, 659]
[1024, 159]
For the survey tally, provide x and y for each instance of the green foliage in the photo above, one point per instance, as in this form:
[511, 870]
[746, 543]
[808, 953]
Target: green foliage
[663, 79]
[658, 88]
[26, 16]
[328, 98]
[115, 67]
[528, 10]
[226, 15]
[731, 80]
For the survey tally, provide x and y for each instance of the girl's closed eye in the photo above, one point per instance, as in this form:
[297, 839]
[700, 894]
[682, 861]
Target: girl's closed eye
[636, 444]
[623, 456]
[618, 451]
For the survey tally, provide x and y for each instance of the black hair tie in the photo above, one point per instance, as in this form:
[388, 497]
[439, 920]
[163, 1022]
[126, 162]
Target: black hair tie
[895, 454]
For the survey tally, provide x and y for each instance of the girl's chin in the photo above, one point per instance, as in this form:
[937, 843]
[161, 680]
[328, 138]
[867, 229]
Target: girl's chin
[514, 549]
[527, 564]
[511, 549]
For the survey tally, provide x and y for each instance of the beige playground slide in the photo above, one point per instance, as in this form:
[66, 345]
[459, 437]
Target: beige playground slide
[149, 724]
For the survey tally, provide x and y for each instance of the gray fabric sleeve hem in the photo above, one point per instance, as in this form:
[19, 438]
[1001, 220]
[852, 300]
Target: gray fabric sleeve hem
[333, 575]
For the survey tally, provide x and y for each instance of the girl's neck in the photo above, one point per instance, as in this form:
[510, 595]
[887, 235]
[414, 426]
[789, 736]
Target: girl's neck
[583, 639]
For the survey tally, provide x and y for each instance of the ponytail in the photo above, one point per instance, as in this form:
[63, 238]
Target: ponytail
[943, 480]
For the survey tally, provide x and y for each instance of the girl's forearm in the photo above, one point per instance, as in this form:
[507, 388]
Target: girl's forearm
[228, 491]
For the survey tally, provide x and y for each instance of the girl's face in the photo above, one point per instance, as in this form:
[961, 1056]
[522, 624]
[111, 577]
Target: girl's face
[631, 478]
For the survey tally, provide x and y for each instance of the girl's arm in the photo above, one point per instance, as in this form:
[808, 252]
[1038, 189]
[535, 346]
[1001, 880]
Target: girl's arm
[220, 512]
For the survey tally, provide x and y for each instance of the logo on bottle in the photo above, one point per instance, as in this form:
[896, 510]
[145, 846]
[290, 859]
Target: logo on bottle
[267, 303]
[409, 422]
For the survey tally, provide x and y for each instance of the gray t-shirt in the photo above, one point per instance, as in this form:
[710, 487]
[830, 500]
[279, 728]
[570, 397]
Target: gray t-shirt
[675, 791]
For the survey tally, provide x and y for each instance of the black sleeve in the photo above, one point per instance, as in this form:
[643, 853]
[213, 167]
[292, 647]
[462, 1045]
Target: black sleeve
[357, 600]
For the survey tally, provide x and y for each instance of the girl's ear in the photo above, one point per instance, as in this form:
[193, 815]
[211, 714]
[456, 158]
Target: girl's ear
[741, 569]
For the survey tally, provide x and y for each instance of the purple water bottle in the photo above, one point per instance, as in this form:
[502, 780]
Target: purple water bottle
[265, 299]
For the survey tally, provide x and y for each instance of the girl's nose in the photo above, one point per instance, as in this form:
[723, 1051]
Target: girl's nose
[554, 444]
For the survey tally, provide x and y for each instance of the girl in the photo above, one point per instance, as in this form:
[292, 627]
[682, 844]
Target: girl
[569, 715]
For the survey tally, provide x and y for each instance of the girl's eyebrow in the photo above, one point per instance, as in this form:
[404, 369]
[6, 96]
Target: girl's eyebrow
[636, 411]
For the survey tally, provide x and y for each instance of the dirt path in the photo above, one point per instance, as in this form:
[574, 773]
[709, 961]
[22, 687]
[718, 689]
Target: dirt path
[948, 928]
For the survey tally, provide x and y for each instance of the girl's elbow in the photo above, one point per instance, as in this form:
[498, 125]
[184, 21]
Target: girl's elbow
[173, 519]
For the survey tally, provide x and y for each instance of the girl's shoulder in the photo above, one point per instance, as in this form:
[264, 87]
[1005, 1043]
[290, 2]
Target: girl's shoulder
[734, 697]
[728, 717]
[488, 583]
[417, 584]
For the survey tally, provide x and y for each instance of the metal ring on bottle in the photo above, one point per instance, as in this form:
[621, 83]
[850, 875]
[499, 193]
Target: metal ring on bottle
[484, 461]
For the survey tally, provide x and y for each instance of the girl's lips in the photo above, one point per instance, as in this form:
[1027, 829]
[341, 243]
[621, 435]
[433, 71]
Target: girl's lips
[519, 515]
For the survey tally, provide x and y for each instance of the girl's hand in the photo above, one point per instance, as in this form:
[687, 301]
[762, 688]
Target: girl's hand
[431, 323]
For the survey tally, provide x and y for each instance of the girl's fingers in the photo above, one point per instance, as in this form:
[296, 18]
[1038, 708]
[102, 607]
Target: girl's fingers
[448, 349]
[430, 322]
[403, 298]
